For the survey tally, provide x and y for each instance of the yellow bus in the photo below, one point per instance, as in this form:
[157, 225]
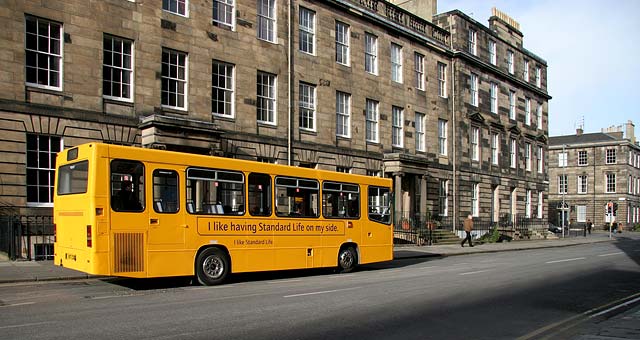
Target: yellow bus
[134, 212]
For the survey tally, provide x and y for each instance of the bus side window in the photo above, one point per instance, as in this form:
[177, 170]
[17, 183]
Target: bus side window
[297, 197]
[127, 186]
[215, 192]
[340, 200]
[259, 194]
[165, 191]
[379, 201]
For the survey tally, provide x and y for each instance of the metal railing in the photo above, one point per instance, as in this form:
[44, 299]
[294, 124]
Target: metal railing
[27, 237]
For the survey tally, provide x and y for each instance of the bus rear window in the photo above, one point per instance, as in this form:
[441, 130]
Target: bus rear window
[72, 178]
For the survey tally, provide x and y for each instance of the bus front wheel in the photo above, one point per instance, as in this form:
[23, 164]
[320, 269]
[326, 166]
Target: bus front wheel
[212, 267]
[347, 259]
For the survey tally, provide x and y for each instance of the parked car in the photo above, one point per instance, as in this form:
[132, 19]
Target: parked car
[554, 228]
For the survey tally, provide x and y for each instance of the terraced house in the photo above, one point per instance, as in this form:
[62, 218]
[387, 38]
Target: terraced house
[453, 110]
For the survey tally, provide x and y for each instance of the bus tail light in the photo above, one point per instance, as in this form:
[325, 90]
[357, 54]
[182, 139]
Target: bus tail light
[89, 243]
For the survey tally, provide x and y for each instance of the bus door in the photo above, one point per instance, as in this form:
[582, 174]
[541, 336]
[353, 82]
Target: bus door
[166, 217]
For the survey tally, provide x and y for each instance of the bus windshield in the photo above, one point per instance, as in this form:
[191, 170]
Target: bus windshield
[72, 178]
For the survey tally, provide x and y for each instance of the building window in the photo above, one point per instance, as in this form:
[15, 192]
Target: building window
[307, 98]
[474, 89]
[610, 183]
[43, 53]
[442, 80]
[343, 114]
[117, 68]
[396, 63]
[539, 116]
[307, 30]
[630, 182]
[538, 76]
[494, 98]
[266, 91]
[41, 167]
[473, 38]
[176, 6]
[493, 56]
[525, 71]
[396, 126]
[222, 85]
[527, 204]
[513, 153]
[475, 143]
[512, 105]
[342, 43]
[527, 111]
[581, 213]
[174, 79]
[443, 197]
[224, 12]
[372, 120]
[510, 64]
[562, 159]
[513, 198]
[495, 148]
[343, 169]
[475, 200]
[420, 131]
[540, 204]
[582, 157]
[527, 156]
[540, 159]
[267, 20]
[266, 160]
[371, 53]
[610, 156]
[562, 184]
[373, 173]
[442, 137]
[582, 184]
[418, 60]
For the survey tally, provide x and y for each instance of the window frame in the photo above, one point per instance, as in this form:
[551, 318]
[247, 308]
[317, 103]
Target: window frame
[442, 80]
[36, 52]
[443, 126]
[372, 119]
[563, 184]
[495, 148]
[418, 60]
[177, 80]
[397, 126]
[527, 111]
[343, 188]
[610, 183]
[228, 90]
[420, 131]
[583, 184]
[512, 105]
[223, 14]
[396, 63]
[121, 69]
[493, 91]
[307, 31]
[610, 156]
[583, 158]
[343, 45]
[371, 53]
[493, 52]
[267, 23]
[510, 61]
[307, 106]
[37, 153]
[343, 114]
[473, 88]
[270, 99]
[185, 3]
[472, 40]
[474, 142]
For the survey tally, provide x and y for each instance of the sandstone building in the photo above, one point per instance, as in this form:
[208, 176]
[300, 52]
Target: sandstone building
[589, 170]
[453, 110]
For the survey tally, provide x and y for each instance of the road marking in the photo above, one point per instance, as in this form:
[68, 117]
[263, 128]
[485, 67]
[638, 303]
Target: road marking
[321, 292]
[616, 307]
[612, 254]
[27, 324]
[476, 272]
[566, 260]
[18, 304]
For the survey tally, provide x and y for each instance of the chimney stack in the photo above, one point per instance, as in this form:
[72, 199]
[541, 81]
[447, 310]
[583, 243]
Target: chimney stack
[579, 131]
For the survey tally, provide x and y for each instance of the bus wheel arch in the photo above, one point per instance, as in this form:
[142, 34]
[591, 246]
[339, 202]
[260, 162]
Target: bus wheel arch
[348, 257]
[212, 265]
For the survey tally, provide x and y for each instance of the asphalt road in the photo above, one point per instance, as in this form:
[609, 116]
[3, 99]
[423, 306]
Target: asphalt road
[507, 295]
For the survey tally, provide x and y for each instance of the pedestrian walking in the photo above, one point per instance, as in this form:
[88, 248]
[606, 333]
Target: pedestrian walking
[468, 226]
[589, 226]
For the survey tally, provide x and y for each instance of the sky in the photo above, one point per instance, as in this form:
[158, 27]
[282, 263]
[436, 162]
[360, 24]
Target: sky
[592, 49]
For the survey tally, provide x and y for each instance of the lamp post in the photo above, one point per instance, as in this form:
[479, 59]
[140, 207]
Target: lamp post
[564, 184]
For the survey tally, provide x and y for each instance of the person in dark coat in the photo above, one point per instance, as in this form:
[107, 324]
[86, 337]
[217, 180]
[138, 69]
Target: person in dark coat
[468, 227]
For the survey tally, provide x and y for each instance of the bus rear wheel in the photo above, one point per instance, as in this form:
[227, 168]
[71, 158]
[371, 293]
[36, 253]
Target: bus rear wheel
[212, 267]
[347, 259]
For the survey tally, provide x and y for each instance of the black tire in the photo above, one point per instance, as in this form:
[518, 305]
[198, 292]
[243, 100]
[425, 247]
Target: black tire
[347, 259]
[212, 267]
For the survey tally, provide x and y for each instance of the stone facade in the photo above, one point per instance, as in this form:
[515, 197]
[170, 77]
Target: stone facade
[593, 179]
[78, 110]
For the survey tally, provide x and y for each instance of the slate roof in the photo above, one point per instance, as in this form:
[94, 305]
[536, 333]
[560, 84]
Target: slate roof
[597, 137]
